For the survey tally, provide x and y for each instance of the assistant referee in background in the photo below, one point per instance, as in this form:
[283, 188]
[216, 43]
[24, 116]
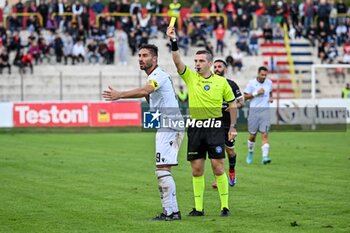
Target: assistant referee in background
[206, 92]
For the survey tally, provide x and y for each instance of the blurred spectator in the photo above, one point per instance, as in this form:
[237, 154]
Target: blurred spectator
[323, 11]
[244, 23]
[213, 7]
[278, 33]
[58, 48]
[341, 32]
[135, 7]
[98, 7]
[151, 6]
[237, 60]
[220, 34]
[125, 6]
[77, 10]
[17, 61]
[346, 92]
[160, 6]
[78, 52]
[44, 50]
[271, 11]
[332, 52]
[15, 42]
[111, 50]
[20, 9]
[122, 40]
[68, 9]
[132, 42]
[6, 11]
[253, 44]
[322, 32]
[311, 34]
[242, 42]
[32, 24]
[143, 21]
[27, 61]
[174, 8]
[103, 51]
[298, 30]
[32, 8]
[153, 28]
[196, 7]
[4, 61]
[51, 23]
[43, 9]
[309, 13]
[3, 34]
[92, 52]
[321, 51]
[235, 25]
[229, 60]
[113, 7]
[294, 12]
[341, 10]
[34, 51]
[67, 47]
[260, 14]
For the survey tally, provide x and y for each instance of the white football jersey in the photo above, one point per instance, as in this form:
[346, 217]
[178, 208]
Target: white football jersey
[259, 101]
[164, 97]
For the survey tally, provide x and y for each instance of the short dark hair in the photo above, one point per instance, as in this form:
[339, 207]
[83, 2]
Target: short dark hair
[262, 68]
[151, 47]
[206, 52]
[222, 61]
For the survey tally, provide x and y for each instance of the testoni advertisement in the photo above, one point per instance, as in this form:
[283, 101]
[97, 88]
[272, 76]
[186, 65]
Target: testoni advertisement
[80, 114]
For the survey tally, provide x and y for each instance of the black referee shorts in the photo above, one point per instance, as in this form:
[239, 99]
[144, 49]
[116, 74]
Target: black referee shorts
[203, 140]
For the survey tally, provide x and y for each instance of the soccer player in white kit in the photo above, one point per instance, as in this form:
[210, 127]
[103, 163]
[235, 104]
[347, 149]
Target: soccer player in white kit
[259, 92]
[161, 96]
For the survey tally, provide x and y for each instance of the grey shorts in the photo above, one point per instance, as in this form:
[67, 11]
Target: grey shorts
[259, 122]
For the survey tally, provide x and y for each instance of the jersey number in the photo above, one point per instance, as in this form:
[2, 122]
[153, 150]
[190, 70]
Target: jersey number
[158, 157]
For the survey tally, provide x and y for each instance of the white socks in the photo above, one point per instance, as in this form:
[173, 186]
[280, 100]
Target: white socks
[167, 191]
[265, 150]
[251, 146]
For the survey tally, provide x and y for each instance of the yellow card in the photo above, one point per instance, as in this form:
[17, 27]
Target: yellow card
[172, 21]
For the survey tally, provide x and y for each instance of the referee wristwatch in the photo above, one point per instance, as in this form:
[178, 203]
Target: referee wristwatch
[233, 126]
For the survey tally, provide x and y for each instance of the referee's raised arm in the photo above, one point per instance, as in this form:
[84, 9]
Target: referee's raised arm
[180, 66]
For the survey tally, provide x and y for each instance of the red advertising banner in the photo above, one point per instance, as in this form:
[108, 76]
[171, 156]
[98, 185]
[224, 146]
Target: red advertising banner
[115, 114]
[50, 114]
[77, 114]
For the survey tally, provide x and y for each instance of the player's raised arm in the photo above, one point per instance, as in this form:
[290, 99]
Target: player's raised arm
[180, 66]
[112, 94]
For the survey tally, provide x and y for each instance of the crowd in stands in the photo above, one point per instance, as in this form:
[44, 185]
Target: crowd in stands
[69, 29]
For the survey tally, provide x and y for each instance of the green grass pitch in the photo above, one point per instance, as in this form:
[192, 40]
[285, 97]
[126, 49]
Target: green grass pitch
[105, 182]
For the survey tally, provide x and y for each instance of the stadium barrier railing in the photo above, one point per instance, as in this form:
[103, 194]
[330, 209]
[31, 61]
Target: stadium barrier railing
[166, 15]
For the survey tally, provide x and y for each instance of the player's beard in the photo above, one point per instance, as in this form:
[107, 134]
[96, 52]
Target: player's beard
[221, 73]
[145, 65]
